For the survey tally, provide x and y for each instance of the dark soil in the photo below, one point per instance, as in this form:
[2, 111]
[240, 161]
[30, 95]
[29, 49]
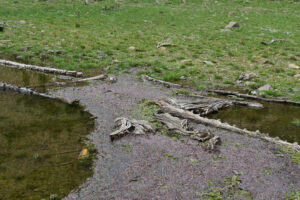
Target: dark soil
[158, 167]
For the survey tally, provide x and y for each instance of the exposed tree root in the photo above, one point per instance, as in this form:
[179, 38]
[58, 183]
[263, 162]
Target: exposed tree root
[220, 92]
[125, 126]
[173, 110]
[40, 69]
[182, 127]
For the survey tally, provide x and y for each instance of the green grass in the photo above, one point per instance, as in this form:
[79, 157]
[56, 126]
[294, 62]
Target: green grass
[92, 36]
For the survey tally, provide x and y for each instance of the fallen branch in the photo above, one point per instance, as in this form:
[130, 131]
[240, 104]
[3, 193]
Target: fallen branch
[220, 92]
[125, 126]
[168, 108]
[40, 69]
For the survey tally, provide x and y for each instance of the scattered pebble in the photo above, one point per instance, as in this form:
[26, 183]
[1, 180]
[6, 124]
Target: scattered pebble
[112, 79]
[208, 63]
[297, 76]
[232, 25]
[182, 78]
[293, 66]
[131, 48]
[246, 76]
[22, 22]
[116, 61]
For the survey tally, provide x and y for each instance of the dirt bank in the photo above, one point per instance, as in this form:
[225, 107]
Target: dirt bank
[158, 167]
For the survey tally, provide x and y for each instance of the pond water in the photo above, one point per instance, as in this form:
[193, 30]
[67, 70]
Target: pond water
[27, 78]
[275, 119]
[40, 140]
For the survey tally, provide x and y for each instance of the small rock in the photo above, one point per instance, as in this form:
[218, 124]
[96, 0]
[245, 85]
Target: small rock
[162, 48]
[22, 22]
[21, 57]
[265, 87]
[297, 76]
[208, 63]
[182, 78]
[293, 66]
[131, 48]
[232, 25]
[262, 88]
[112, 79]
[184, 60]
[246, 76]
[116, 61]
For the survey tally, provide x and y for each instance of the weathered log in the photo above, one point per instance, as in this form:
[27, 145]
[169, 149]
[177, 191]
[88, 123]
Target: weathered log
[220, 92]
[182, 127]
[252, 97]
[203, 106]
[49, 70]
[100, 77]
[173, 110]
[125, 126]
[23, 90]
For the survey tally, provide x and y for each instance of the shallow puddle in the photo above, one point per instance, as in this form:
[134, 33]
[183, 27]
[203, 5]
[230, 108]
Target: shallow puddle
[275, 119]
[40, 141]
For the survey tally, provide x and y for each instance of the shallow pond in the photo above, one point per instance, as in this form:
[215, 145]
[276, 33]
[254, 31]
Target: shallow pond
[40, 141]
[275, 119]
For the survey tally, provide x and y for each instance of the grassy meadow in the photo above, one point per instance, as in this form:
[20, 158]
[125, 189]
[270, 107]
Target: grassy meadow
[90, 38]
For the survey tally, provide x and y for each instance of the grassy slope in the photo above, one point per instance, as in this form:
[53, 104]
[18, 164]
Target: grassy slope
[91, 37]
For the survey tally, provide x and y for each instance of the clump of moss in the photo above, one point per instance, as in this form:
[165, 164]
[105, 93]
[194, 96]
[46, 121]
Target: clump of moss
[296, 122]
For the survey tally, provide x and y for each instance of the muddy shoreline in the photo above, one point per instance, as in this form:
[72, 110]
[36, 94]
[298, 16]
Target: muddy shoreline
[138, 168]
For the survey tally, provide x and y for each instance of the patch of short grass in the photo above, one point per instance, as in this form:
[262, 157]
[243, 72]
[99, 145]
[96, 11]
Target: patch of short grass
[89, 38]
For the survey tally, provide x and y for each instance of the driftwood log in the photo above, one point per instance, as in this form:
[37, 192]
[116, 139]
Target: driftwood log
[175, 111]
[23, 90]
[220, 92]
[49, 70]
[100, 77]
[125, 126]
